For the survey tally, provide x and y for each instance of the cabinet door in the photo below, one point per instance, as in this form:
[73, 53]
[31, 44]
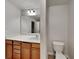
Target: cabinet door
[8, 49]
[26, 51]
[35, 51]
[16, 50]
[16, 54]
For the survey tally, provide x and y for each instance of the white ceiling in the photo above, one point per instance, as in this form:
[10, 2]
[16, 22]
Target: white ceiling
[36, 3]
[57, 2]
[26, 3]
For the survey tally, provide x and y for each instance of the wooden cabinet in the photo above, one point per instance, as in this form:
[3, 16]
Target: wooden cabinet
[22, 50]
[8, 49]
[35, 51]
[26, 51]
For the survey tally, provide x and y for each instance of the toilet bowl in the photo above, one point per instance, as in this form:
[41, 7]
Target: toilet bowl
[59, 56]
[58, 48]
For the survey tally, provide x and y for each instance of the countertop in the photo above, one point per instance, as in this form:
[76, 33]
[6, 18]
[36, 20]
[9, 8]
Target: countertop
[25, 38]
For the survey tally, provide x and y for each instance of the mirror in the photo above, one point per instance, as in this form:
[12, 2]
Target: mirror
[22, 17]
[30, 18]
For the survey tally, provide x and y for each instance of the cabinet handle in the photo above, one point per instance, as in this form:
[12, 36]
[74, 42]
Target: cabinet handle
[17, 51]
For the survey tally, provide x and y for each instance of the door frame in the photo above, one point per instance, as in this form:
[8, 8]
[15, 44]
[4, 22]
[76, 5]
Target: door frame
[43, 30]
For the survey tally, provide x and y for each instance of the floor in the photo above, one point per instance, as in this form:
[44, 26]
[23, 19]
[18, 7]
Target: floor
[51, 57]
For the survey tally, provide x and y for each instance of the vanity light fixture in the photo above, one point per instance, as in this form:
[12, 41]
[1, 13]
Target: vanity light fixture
[31, 12]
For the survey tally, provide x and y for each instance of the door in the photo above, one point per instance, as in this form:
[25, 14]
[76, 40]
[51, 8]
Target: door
[26, 51]
[8, 49]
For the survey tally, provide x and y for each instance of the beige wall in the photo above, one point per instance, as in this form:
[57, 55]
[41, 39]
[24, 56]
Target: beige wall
[71, 30]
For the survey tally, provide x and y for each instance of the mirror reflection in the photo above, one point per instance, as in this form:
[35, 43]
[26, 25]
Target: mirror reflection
[30, 20]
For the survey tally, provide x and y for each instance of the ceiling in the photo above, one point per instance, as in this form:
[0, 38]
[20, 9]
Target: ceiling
[22, 4]
[57, 2]
[36, 3]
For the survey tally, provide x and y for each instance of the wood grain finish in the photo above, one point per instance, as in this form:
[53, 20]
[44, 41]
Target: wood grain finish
[8, 42]
[22, 50]
[16, 50]
[16, 47]
[35, 45]
[16, 55]
[16, 43]
[8, 49]
[26, 51]
[35, 53]
[51, 57]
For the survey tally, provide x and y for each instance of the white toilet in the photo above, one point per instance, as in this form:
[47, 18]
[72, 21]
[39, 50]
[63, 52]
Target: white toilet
[58, 48]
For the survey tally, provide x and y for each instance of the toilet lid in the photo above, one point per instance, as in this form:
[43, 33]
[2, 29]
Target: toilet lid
[59, 55]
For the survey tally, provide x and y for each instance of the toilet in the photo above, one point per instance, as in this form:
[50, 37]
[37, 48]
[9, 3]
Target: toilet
[58, 48]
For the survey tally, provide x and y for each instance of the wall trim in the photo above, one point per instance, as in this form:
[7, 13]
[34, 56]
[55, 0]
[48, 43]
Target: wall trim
[50, 53]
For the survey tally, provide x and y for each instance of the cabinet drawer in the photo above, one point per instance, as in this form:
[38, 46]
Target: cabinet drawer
[17, 47]
[15, 51]
[34, 45]
[8, 42]
[26, 45]
[16, 42]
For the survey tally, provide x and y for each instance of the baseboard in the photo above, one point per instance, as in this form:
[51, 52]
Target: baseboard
[50, 53]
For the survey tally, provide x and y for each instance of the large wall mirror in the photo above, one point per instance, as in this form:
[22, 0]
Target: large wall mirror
[22, 17]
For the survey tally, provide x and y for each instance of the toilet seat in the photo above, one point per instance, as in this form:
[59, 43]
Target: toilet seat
[59, 55]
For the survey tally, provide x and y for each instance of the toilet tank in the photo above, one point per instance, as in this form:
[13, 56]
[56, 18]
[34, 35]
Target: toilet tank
[58, 46]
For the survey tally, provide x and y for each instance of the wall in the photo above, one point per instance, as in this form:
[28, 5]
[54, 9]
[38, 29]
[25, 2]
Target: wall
[71, 30]
[12, 19]
[57, 25]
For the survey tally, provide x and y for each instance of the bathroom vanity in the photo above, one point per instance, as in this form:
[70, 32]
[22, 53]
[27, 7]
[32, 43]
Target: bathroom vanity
[19, 48]
[22, 32]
